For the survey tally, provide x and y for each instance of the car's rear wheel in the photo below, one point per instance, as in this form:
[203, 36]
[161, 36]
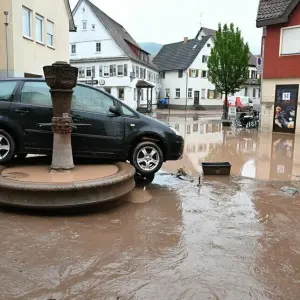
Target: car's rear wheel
[147, 158]
[7, 147]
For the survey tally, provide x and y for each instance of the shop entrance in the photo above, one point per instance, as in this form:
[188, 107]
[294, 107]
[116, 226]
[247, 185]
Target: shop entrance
[285, 108]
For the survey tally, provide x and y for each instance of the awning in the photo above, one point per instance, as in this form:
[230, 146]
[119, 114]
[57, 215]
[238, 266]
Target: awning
[144, 84]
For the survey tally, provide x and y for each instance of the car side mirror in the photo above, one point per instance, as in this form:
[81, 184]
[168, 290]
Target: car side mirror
[114, 110]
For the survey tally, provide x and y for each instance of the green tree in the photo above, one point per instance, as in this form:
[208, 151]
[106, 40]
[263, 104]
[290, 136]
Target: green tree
[228, 63]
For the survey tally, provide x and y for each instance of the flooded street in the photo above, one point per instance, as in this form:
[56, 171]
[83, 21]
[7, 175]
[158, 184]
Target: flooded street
[230, 238]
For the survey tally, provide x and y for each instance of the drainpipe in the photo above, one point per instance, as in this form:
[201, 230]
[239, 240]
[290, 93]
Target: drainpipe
[262, 70]
[6, 22]
[186, 88]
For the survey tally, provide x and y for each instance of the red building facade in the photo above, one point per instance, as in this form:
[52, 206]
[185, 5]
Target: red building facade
[276, 65]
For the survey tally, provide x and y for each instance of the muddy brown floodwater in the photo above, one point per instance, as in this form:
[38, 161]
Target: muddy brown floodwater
[231, 238]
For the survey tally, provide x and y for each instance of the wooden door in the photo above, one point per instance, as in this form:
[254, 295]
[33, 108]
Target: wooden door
[196, 97]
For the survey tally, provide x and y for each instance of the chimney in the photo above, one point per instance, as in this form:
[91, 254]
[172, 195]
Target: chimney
[185, 40]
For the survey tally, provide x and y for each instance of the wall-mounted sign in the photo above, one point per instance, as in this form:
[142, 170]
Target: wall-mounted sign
[90, 82]
[286, 96]
[285, 108]
[259, 65]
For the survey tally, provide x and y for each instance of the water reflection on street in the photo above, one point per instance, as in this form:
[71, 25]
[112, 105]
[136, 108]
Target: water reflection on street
[230, 238]
[261, 156]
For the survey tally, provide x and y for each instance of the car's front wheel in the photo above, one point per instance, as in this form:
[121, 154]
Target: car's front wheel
[147, 158]
[7, 147]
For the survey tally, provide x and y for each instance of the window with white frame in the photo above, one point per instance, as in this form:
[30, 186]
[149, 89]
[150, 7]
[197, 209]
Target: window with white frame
[121, 93]
[125, 70]
[89, 72]
[290, 41]
[194, 73]
[81, 72]
[93, 27]
[190, 93]
[211, 94]
[98, 47]
[120, 70]
[27, 22]
[254, 92]
[106, 71]
[84, 25]
[73, 49]
[204, 58]
[137, 73]
[177, 93]
[39, 28]
[168, 93]
[100, 71]
[253, 74]
[204, 74]
[50, 33]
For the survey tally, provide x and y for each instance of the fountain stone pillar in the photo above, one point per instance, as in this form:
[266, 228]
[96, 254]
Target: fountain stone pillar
[61, 78]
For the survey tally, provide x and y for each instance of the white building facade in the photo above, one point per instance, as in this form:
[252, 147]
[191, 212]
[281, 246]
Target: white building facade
[252, 86]
[184, 77]
[108, 57]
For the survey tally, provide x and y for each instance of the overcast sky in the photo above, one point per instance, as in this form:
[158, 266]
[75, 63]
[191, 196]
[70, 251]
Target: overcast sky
[167, 21]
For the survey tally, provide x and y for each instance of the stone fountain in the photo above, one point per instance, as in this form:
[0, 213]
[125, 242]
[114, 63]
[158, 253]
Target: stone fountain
[35, 184]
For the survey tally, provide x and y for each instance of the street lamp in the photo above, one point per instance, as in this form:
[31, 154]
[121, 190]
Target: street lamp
[6, 22]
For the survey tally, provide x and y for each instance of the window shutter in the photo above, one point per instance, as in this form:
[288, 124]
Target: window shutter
[190, 73]
[215, 94]
[207, 94]
[197, 73]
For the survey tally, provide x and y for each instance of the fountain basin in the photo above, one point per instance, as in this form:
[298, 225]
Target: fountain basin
[37, 186]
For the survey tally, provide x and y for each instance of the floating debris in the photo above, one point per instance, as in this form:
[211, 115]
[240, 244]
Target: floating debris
[289, 190]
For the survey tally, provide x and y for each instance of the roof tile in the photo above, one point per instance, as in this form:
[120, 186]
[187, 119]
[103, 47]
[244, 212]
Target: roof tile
[269, 9]
[179, 56]
[119, 33]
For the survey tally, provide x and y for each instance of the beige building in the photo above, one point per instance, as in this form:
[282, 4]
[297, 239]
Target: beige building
[38, 35]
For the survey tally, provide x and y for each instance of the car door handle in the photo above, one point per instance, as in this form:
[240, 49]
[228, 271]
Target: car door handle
[22, 111]
[77, 118]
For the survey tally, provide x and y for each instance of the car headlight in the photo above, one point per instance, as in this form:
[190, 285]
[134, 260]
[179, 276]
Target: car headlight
[175, 131]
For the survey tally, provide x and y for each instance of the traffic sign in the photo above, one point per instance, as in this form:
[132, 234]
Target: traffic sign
[259, 65]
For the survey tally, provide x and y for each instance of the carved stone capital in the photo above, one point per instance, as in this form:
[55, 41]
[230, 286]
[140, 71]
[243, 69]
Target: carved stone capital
[62, 125]
[61, 76]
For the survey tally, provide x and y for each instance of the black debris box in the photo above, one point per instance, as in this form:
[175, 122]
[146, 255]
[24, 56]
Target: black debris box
[216, 168]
